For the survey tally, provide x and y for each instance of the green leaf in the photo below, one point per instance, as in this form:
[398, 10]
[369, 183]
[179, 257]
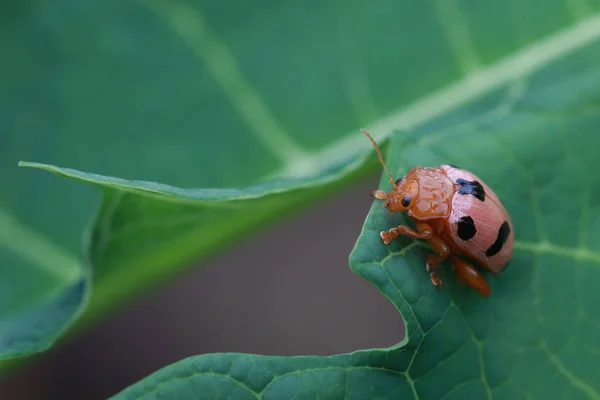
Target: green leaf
[41, 291]
[535, 143]
[206, 96]
[185, 126]
[145, 231]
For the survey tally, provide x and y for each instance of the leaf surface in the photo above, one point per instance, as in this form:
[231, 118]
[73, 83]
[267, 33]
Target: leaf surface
[105, 101]
[535, 143]
[182, 94]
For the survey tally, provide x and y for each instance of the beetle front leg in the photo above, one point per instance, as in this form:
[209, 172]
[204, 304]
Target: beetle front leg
[424, 231]
[469, 275]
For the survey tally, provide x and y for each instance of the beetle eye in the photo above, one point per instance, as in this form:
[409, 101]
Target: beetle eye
[406, 201]
[399, 180]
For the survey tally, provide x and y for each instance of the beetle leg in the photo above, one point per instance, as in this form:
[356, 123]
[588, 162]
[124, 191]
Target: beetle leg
[424, 231]
[432, 262]
[471, 276]
[438, 245]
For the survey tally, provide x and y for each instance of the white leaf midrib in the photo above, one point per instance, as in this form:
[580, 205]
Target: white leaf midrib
[516, 66]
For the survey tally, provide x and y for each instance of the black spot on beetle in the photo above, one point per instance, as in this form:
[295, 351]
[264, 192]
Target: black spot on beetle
[406, 201]
[474, 188]
[503, 233]
[453, 166]
[466, 228]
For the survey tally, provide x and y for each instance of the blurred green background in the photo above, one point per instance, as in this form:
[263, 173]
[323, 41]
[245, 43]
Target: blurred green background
[211, 94]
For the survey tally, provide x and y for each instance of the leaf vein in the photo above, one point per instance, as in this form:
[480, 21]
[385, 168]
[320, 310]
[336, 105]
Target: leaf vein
[578, 254]
[358, 367]
[564, 371]
[479, 347]
[220, 62]
[515, 66]
[37, 249]
[457, 30]
[162, 383]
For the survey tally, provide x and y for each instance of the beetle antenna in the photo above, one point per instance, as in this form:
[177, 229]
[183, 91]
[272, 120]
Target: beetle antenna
[380, 156]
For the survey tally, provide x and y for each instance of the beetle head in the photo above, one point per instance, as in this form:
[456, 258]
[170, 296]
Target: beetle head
[404, 192]
[403, 196]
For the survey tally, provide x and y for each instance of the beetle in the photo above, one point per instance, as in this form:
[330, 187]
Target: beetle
[458, 215]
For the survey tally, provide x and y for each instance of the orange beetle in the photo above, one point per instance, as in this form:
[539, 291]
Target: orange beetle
[457, 213]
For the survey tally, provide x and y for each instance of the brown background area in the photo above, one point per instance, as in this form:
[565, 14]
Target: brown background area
[287, 291]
